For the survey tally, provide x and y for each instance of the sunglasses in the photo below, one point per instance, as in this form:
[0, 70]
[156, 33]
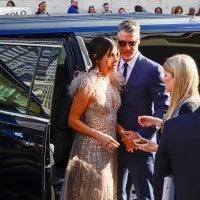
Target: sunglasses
[123, 43]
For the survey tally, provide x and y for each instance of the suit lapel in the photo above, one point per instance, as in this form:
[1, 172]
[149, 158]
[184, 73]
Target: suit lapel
[135, 73]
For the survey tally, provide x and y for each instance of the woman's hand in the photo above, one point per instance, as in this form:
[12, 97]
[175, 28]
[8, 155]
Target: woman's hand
[146, 145]
[146, 121]
[107, 141]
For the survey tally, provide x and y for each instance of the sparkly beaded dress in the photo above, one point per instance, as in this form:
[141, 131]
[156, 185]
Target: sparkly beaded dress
[92, 169]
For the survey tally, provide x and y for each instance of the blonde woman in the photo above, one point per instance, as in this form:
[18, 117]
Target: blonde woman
[181, 80]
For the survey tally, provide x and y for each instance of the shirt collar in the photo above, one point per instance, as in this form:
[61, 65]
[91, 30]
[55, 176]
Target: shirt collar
[130, 63]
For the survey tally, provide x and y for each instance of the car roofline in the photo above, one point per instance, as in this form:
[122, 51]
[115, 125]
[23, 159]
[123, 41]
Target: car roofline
[34, 24]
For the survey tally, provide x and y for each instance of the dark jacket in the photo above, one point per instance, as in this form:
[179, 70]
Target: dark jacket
[178, 155]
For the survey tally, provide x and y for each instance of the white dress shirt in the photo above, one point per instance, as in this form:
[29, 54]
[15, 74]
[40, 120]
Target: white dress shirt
[130, 63]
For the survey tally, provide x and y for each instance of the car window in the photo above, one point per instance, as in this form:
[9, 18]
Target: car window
[29, 67]
[44, 78]
[159, 45]
[13, 95]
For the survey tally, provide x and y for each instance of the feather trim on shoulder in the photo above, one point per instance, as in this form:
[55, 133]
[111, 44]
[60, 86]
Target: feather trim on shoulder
[88, 82]
[92, 85]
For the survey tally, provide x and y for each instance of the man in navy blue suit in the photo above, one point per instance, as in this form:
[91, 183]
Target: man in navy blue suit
[144, 94]
[178, 155]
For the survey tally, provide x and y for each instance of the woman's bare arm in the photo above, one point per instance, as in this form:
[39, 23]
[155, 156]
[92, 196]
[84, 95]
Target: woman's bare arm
[80, 103]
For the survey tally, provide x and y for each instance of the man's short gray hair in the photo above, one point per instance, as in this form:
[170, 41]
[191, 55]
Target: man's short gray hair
[129, 25]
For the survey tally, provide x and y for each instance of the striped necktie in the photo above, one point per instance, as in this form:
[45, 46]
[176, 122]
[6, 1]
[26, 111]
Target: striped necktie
[125, 69]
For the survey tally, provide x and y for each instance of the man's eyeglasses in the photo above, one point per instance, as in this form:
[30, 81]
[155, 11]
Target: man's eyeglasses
[123, 43]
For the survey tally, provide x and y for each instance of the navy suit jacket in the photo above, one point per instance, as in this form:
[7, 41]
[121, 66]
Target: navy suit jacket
[178, 154]
[144, 89]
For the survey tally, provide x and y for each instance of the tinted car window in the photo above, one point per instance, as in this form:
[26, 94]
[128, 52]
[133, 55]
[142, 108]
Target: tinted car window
[160, 45]
[21, 60]
[29, 68]
[13, 96]
[44, 77]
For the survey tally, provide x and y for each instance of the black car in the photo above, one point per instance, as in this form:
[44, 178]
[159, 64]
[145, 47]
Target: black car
[39, 56]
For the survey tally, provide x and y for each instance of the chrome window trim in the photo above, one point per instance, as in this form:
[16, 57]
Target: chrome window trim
[51, 42]
[25, 116]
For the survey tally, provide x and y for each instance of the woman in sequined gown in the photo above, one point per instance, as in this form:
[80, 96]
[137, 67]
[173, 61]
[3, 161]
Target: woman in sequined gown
[92, 169]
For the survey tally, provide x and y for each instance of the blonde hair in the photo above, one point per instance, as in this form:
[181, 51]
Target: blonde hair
[186, 80]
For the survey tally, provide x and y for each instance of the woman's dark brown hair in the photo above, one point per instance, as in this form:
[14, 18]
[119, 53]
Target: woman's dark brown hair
[99, 46]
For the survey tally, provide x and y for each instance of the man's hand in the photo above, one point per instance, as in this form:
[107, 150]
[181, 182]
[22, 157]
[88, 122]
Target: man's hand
[128, 137]
[130, 134]
[130, 146]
